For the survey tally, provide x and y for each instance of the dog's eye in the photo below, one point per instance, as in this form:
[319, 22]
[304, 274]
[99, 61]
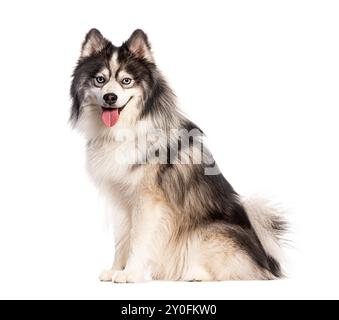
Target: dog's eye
[126, 81]
[100, 80]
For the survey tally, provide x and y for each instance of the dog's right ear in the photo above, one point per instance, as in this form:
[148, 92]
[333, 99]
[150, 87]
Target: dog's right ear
[94, 43]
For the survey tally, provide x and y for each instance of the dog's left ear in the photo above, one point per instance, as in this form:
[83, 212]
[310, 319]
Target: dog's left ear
[138, 44]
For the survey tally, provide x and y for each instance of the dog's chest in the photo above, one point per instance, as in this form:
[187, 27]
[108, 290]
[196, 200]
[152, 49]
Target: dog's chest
[111, 164]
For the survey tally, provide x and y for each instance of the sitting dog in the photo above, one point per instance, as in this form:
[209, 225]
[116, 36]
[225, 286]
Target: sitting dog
[175, 215]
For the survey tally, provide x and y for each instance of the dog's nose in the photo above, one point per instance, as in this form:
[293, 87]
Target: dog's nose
[110, 98]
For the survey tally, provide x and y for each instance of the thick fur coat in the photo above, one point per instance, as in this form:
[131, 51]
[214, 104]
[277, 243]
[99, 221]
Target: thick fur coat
[176, 216]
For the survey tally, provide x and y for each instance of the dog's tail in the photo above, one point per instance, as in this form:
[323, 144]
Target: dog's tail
[270, 227]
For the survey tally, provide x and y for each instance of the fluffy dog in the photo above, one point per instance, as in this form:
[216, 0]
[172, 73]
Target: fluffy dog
[176, 216]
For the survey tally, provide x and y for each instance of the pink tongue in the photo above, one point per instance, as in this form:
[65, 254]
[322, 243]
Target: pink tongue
[110, 117]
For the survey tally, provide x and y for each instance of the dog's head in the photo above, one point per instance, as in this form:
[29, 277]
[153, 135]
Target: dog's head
[110, 84]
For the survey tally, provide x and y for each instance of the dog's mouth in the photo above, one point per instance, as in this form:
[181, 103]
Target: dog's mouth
[110, 115]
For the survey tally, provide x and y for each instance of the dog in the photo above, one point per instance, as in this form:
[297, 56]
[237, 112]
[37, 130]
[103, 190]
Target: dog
[175, 215]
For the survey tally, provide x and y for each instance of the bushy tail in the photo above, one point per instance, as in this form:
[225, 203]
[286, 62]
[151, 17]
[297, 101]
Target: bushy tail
[269, 224]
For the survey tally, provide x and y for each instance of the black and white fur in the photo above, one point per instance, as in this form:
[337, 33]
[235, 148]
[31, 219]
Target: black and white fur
[172, 220]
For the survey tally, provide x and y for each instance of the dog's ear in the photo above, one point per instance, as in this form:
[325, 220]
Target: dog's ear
[138, 44]
[94, 43]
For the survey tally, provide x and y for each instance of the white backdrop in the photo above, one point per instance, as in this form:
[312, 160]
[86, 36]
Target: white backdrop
[261, 79]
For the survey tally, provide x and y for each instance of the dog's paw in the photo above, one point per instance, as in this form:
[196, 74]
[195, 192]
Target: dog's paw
[106, 275]
[197, 274]
[125, 276]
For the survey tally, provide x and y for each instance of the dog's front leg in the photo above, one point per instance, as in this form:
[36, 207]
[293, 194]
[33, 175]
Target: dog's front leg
[146, 219]
[122, 233]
